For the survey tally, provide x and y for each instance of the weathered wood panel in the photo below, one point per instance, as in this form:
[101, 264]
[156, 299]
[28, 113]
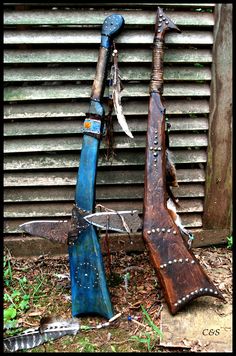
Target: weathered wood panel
[83, 17]
[200, 6]
[131, 192]
[218, 201]
[128, 158]
[74, 143]
[85, 73]
[55, 92]
[131, 107]
[89, 55]
[59, 178]
[82, 36]
[71, 126]
[50, 57]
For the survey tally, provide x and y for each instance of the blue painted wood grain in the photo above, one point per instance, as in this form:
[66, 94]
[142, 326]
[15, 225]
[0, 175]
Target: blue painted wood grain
[89, 291]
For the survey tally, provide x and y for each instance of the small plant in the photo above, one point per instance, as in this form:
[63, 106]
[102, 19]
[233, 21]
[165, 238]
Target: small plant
[18, 294]
[147, 337]
[86, 346]
[229, 241]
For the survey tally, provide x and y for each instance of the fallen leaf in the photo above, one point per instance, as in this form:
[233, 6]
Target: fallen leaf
[35, 313]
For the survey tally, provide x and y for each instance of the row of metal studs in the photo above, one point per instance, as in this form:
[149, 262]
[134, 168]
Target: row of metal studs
[157, 229]
[195, 292]
[155, 148]
[180, 260]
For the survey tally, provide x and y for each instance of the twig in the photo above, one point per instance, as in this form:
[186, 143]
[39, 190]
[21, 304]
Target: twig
[137, 322]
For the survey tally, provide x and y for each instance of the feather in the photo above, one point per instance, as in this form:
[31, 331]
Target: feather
[51, 328]
[116, 96]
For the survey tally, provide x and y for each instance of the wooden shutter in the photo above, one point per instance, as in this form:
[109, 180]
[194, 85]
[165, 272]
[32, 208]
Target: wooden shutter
[50, 55]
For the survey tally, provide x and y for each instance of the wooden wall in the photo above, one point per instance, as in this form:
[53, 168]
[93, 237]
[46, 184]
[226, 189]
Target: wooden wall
[50, 55]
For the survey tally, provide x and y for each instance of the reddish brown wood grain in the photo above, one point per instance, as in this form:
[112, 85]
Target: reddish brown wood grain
[179, 272]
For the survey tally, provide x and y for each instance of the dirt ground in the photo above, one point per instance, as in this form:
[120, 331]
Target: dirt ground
[132, 283]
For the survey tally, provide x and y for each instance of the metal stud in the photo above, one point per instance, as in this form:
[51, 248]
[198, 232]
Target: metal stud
[179, 301]
[167, 22]
[201, 289]
[151, 148]
[163, 229]
[180, 260]
[161, 266]
[168, 230]
[206, 289]
[216, 292]
[155, 142]
[158, 30]
[174, 260]
[155, 154]
[192, 261]
[159, 148]
[211, 290]
[165, 265]
[187, 296]
[175, 304]
[183, 298]
[170, 262]
[157, 229]
[192, 293]
[174, 232]
[153, 230]
[186, 259]
[149, 232]
[196, 291]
